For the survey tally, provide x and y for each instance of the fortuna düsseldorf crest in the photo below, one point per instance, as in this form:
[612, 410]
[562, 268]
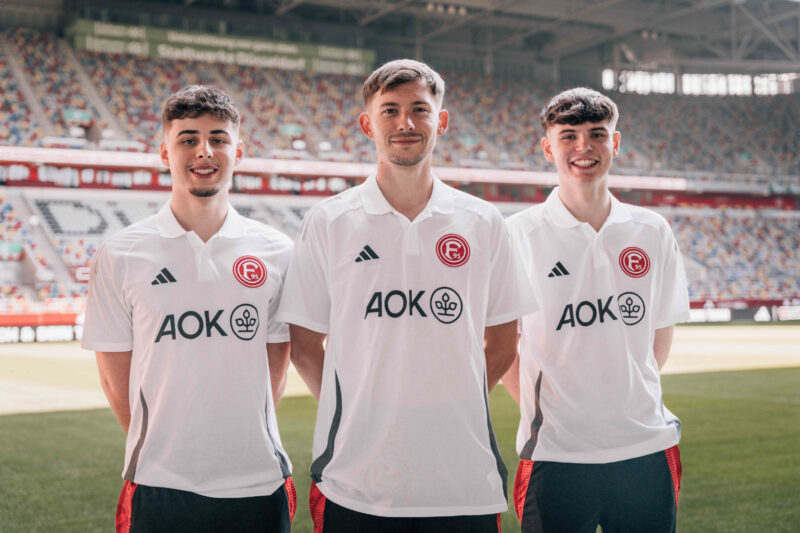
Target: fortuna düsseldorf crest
[250, 271]
[453, 250]
[634, 262]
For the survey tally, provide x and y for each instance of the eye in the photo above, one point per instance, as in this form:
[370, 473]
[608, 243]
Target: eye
[389, 111]
[188, 141]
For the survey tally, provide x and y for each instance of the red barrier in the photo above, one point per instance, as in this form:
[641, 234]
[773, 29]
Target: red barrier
[38, 319]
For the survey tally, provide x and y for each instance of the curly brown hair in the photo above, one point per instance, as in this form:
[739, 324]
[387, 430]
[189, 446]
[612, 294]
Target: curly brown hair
[197, 100]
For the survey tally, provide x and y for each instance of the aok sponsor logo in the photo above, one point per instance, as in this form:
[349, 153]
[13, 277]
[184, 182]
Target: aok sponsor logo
[243, 323]
[444, 304]
[629, 308]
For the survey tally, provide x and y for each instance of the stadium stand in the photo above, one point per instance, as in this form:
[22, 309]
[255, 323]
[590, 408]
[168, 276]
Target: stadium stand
[53, 78]
[734, 253]
[268, 126]
[494, 121]
[741, 253]
[746, 253]
[333, 102]
[135, 88]
[19, 125]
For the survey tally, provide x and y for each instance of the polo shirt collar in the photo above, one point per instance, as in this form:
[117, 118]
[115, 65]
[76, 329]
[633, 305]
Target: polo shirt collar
[170, 228]
[563, 218]
[375, 203]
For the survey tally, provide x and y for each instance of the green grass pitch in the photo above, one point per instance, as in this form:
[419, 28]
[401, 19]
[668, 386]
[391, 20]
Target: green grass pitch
[741, 457]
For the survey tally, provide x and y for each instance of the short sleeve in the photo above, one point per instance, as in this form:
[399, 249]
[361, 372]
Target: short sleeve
[510, 293]
[278, 331]
[108, 325]
[306, 297]
[673, 300]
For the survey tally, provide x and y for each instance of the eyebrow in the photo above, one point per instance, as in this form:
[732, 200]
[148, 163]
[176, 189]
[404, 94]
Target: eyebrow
[395, 104]
[195, 132]
[570, 130]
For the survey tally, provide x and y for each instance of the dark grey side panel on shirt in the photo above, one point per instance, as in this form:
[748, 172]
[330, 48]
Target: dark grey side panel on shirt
[502, 471]
[131, 471]
[283, 461]
[536, 424]
[322, 461]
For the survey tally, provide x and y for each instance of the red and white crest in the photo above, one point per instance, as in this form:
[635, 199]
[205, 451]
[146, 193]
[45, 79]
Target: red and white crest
[453, 250]
[634, 262]
[250, 271]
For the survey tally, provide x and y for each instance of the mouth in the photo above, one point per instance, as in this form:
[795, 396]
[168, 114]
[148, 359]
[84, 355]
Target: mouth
[585, 163]
[204, 171]
[405, 141]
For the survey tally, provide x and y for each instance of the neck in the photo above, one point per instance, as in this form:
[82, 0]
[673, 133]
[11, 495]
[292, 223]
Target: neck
[407, 189]
[204, 216]
[588, 202]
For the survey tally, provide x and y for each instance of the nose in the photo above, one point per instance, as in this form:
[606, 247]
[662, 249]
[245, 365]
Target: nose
[583, 144]
[204, 149]
[406, 124]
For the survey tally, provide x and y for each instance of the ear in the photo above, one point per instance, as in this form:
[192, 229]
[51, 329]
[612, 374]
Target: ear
[617, 137]
[444, 119]
[164, 155]
[239, 152]
[547, 149]
[365, 124]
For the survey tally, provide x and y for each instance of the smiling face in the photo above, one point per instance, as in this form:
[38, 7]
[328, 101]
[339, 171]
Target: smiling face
[404, 122]
[201, 154]
[582, 153]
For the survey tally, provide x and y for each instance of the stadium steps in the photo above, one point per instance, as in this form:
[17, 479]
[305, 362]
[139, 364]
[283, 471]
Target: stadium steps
[89, 89]
[492, 150]
[24, 86]
[312, 131]
[43, 243]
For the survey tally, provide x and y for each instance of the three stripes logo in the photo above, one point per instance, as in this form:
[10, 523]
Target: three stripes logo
[366, 254]
[165, 276]
[558, 271]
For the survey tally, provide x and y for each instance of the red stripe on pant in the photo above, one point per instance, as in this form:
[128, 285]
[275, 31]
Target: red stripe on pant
[675, 469]
[291, 495]
[521, 483]
[316, 504]
[124, 507]
[499, 526]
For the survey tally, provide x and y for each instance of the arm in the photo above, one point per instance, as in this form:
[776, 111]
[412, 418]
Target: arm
[278, 361]
[500, 348]
[308, 356]
[661, 345]
[511, 377]
[115, 372]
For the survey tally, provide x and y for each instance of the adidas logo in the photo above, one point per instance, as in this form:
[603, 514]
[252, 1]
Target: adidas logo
[366, 254]
[165, 276]
[558, 270]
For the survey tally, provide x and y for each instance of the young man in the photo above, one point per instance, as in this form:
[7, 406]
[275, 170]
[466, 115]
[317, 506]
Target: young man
[596, 442]
[415, 287]
[180, 310]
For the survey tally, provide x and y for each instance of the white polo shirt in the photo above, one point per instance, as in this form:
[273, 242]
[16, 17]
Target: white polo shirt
[403, 426]
[197, 317]
[590, 385]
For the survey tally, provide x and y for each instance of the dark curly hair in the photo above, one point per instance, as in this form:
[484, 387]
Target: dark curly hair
[197, 100]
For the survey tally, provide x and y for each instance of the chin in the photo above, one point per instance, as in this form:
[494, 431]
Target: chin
[204, 193]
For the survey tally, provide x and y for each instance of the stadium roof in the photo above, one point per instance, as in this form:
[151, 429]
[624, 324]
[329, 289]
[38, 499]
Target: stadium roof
[700, 35]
